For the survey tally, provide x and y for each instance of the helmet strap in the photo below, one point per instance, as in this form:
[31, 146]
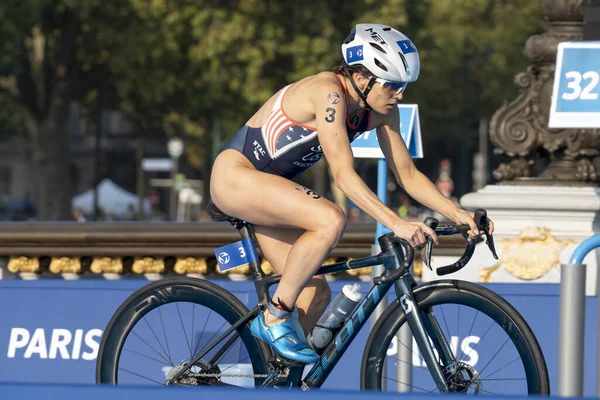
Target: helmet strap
[363, 95]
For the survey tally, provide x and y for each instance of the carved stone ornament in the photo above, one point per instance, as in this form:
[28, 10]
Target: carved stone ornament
[23, 264]
[529, 256]
[148, 265]
[520, 129]
[190, 265]
[102, 265]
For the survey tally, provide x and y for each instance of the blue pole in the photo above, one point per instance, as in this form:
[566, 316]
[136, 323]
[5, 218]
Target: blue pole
[381, 191]
[584, 248]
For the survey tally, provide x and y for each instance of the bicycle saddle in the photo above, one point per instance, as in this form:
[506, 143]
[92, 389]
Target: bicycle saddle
[219, 216]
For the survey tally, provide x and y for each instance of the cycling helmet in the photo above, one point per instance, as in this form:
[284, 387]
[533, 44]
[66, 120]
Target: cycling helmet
[389, 55]
[384, 51]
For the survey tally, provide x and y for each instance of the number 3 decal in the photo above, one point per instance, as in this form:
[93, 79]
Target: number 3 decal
[331, 114]
[242, 252]
[574, 84]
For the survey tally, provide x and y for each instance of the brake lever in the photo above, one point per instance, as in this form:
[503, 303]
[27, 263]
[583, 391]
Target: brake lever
[427, 250]
[482, 222]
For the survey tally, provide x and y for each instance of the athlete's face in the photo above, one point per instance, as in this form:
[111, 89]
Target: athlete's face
[383, 97]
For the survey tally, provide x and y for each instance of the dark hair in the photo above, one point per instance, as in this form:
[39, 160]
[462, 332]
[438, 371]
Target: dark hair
[347, 70]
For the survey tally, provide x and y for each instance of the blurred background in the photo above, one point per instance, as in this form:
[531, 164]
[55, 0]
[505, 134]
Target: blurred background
[116, 110]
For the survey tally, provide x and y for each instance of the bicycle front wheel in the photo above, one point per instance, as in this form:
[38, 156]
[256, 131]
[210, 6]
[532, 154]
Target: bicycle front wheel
[161, 327]
[494, 348]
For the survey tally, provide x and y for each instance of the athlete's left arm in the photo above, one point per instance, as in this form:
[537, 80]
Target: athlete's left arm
[417, 185]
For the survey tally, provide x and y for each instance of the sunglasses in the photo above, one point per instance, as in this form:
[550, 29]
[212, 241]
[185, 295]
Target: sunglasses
[397, 87]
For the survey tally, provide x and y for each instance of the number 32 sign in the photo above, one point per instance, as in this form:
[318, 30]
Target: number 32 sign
[576, 92]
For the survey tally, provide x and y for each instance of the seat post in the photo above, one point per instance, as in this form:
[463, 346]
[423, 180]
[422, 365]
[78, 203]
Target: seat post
[245, 231]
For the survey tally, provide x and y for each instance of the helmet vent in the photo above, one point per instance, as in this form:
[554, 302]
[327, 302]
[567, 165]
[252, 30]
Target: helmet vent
[380, 65]
[378, 47]
[351, 36]
[404, 62]
[387, 29]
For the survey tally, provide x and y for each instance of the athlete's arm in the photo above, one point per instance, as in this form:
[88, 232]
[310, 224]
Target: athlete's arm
[417, 185]
[330, 114]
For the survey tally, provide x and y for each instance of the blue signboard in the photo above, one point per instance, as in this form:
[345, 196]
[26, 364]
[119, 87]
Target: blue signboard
[51, 330]
[576, 92]
[367, 146]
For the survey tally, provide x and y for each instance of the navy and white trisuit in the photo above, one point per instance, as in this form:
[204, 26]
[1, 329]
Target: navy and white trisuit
[284, 147]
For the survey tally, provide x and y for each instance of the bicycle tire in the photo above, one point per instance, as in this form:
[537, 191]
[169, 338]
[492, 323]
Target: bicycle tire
[463, 293]
[169, 290]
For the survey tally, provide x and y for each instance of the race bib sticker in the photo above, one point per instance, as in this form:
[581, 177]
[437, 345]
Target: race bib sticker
[354, 53]
[407, 46]
[235, 255]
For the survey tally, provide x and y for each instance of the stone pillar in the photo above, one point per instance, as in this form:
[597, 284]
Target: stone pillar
[520, 129]
[539, 218]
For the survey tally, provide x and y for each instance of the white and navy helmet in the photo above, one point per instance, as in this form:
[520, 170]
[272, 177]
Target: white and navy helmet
[384, 51]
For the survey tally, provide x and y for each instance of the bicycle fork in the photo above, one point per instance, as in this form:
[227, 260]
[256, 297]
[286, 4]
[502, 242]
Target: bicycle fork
[422, 329]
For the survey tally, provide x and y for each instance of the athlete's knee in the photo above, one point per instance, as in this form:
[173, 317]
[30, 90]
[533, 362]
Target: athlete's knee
[332, 224]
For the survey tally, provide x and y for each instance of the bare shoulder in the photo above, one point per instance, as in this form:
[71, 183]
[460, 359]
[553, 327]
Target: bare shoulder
[326, 82]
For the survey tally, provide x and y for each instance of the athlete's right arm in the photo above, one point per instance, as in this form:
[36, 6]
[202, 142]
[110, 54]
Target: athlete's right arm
[330, 114]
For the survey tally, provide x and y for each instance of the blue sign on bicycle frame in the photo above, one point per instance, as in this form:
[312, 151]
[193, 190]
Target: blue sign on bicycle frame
[367, 146]
[235, 255]
[576, 91]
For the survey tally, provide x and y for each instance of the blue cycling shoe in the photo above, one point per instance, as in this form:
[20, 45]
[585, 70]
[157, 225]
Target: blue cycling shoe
[286, 337]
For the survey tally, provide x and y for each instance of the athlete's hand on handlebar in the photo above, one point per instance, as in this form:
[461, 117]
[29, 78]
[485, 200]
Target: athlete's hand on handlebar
[467, 218]
[414, 232]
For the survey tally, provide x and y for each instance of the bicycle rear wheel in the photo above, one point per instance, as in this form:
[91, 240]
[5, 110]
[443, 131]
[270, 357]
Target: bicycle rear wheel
[162, 326]
[496, 350]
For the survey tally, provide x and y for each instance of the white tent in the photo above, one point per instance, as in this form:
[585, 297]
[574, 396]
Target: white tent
[111, 198]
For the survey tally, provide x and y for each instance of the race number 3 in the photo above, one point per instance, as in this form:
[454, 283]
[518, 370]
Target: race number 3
[581, 86]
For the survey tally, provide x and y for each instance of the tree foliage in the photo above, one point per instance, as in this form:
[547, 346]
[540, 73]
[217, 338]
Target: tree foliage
[203, 67]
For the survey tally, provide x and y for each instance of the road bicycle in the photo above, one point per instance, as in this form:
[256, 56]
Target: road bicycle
[466, 338]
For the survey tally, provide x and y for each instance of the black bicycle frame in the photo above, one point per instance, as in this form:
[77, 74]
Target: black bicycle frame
[392, 260]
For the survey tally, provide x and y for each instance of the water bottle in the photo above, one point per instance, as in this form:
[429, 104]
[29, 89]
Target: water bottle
[333, 318]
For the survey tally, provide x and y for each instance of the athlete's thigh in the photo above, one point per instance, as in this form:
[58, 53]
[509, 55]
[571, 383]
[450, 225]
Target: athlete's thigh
[269, 200]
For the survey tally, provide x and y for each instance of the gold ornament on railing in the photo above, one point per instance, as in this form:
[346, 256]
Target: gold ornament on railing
[65, 265]
[106, 265]
[148, 265]
[23, 264]
[190, 265]
[267, 267]
[529, 256]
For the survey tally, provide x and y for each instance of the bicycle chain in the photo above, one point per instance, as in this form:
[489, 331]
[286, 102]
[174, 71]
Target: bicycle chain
[234, 375]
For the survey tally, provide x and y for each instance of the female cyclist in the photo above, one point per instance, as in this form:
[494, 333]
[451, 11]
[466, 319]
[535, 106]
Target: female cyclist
[297, 228]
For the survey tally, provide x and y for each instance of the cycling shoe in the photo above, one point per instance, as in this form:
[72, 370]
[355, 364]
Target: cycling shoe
[286, 337]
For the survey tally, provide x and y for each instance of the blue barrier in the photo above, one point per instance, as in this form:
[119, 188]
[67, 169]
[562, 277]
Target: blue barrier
[51, 330]
[88, 392]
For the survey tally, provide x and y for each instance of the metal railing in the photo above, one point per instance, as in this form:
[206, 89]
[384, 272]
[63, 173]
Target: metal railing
[92, 249]
[571, 333]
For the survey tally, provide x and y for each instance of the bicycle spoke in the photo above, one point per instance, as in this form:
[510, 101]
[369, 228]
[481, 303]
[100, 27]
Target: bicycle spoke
[183, 328]
[192, 341]
[415, 353]
[156, 351]
[499, 369]
[202, 333]
[445, 321]
[164, 333]
[141, 376]
[481, 338]
[469, 334]
[494, 356]
[412, 386]
[145, 356]
[157, 340]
